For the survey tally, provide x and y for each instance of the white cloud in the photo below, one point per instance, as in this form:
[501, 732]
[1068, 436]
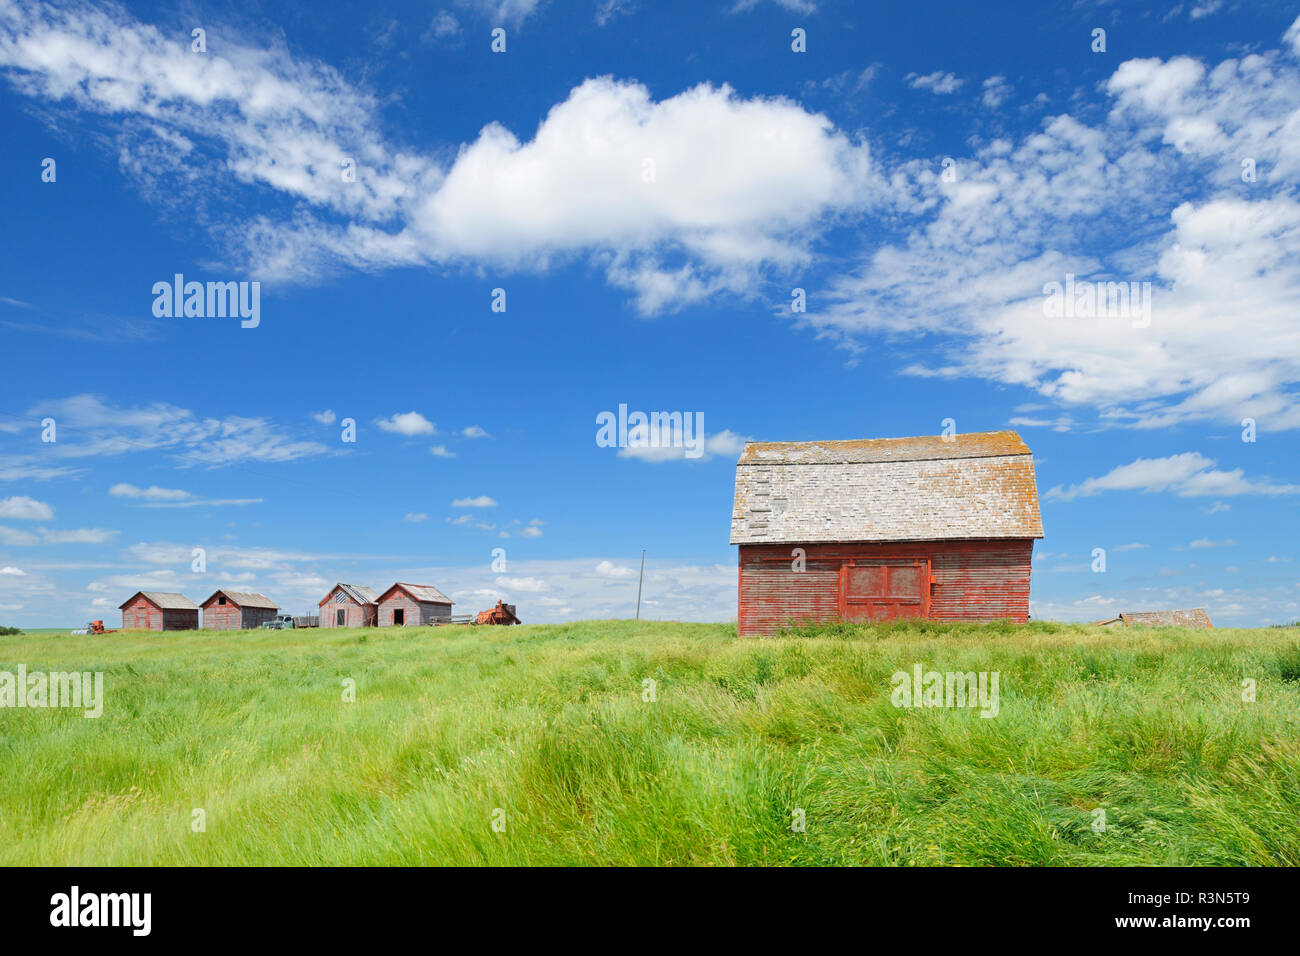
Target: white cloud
[77, 536]
[610, 570]
[11, 571]
[1207, 543]
[326, 417]
[1134, 546]
[482, 501]
[1190, 474]
[152, 493]
[726, 444]
[416, 516]
[937, 82]
[441, 451]
[155, 497]
[22, 508]
[1150, 192]
[407, 423]
[444, 25]
[14, 538]
[532, 531]
[996, 91]
[474, 431]
[529, 585]
[88, 427]
[736, 184]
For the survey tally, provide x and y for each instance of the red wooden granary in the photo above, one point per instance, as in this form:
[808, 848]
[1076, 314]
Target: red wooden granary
[159, 611]
[936, 527]
[349, 605]
[411, 605]
[237, 611]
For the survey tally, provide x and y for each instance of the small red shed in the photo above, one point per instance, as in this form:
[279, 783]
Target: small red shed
[237, 611]
[937, 527]
[159, 611]
[349, 605]
[410, 605]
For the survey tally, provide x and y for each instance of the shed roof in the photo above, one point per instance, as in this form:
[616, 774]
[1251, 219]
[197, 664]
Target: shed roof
[357, 592]
[886, 489]
[244, 599]
[167, 600]
[421, 592]
[1196, 617]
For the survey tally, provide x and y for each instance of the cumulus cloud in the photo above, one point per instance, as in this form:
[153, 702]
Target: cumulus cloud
[482, 501]
[23, 508]
[1154, 191]
[407, 423]
[670, 447]
[1190, 474]
[729, 183]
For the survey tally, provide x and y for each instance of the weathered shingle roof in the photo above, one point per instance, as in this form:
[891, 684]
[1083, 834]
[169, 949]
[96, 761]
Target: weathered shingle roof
[245, 599]
[888, 489]
[168, 600]
[421, 592]
[358, 592]
[1196, 617]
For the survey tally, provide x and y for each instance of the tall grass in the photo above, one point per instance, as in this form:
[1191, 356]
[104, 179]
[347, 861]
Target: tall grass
[548, 728]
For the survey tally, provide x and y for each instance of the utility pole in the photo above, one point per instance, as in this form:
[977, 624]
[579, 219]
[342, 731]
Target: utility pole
[638, 585]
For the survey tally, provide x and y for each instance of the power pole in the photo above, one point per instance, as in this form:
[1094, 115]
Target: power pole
[638, 585]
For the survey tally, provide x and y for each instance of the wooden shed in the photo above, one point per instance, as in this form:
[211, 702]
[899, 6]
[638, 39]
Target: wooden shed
[349, 605]
[932, 527]
[159, 611]
[410, 605]
[237, 610]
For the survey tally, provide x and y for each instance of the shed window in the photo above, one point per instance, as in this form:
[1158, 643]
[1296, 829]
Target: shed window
[340, 598]
[222, 600]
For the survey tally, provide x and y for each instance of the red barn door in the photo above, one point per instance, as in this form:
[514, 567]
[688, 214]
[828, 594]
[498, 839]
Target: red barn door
[876, 589]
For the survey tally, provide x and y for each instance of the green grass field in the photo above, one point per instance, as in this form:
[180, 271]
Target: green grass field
[549, 725]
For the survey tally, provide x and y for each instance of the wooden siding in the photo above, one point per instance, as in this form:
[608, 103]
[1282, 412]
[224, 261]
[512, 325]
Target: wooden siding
[142, 614]
[355, 615]
[232, 617]
[969, 580]
[416, 613]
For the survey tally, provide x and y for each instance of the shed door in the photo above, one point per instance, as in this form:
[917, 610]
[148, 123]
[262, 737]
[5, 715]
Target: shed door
[884, 589]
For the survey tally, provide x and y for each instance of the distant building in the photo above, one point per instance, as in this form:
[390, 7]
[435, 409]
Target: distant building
[159, 611]
[932, 527]
[1197, 618]
[410, 605]
[349, 605]
[237, 611]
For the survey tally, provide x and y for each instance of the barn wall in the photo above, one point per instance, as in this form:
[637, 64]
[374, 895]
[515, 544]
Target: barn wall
[974, 580]
[254, 617]
[357, 615]
[180, 619]
[399, 599]
[141, 614]
[221, 618]
[430, 612]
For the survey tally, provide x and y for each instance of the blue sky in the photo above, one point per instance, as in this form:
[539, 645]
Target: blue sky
[648, 184]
